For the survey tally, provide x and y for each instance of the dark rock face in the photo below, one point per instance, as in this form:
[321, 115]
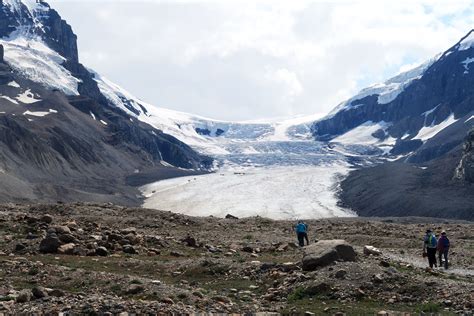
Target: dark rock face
[405, 189]
[465, 170]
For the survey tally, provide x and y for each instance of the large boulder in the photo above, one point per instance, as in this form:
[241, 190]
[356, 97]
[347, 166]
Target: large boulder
[325, 252]
[50, 244]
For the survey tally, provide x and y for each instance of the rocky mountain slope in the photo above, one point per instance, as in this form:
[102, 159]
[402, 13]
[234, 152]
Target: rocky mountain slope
[419, 118]
[409, 110]
[97, 259]
[60, 137]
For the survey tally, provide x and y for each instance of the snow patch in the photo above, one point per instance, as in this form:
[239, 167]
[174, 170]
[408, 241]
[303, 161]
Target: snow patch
[13, 84]
[27, 97]
[362, 134]
[37, 114]
[428, 132]
[466, 64]
[9, 99]
[104, 122]
[472, 117]
[93, 116]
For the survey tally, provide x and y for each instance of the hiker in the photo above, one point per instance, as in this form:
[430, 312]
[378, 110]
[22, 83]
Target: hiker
[429, 247]
[302, 233]
[443, 248]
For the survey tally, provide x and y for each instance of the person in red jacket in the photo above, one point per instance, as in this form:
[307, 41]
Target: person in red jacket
[443, 249]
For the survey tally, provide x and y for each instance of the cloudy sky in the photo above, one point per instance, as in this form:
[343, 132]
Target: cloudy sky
[240, 60]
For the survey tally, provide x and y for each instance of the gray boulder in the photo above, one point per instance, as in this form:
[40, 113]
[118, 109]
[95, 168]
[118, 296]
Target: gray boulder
[325, 252]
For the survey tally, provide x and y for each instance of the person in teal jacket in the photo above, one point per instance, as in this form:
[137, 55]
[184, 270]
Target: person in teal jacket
[302, 233]
[430, 244]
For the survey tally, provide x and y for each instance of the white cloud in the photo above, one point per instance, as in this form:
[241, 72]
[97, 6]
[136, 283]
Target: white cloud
[252, 59]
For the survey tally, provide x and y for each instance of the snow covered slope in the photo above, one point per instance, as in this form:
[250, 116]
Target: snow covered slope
[35, 61]
[410, 110]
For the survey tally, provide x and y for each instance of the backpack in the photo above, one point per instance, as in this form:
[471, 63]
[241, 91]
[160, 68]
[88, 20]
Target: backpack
[432, 242]
[301, 228]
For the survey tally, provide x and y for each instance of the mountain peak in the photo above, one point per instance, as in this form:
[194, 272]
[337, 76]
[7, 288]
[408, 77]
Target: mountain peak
[36, 19]
[467, 41]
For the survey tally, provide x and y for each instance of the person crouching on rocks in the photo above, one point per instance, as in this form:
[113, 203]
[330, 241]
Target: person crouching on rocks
[429, 247]
[302, 233]
[443, 248]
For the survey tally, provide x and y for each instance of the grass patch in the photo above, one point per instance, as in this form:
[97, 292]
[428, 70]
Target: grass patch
[429, 308]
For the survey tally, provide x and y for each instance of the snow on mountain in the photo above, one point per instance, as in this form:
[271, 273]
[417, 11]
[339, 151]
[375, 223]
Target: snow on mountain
[467, 42]
[363, 134]
[430, 131]
[207, 135]
[386, 92]
[37, 62]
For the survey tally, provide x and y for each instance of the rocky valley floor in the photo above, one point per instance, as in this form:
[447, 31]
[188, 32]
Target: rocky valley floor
[106, 259]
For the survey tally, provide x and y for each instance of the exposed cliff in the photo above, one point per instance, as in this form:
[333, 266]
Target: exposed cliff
[465, 170]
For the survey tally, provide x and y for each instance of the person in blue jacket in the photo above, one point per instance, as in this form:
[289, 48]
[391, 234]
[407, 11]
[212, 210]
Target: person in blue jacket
[443, 249]
[302, 233]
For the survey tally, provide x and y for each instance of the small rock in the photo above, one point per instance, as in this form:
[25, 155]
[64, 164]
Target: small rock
[129, 230]
[190, 241]
[309, 314]
[385, 263]
[102, 251]
[20, 247]
[135, 289]
[39, 292]
[167, 300]
[340, 274]
[129, 249]
[66, 249]
[448, 303]
[56, 293]
[248, 249]
[61, 230]
[198, 294]
[382, 313]
[176, 254]
[24, 296]
[67, 238]
[230, 216]
[222, 299]
[46, 218]
[371, 250]
[378, 278]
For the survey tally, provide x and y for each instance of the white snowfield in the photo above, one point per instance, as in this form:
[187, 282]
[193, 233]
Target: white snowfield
[278, 193]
